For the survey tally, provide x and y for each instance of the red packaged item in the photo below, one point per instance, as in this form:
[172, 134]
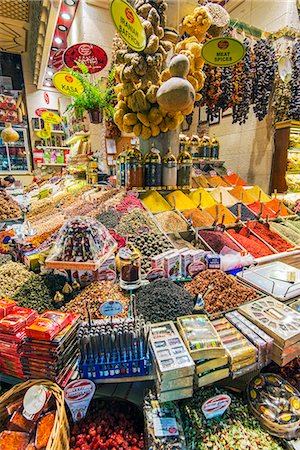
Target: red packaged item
[20, 317]
[29, 314]
[13, 407]
[6, 306]
[44, 429]
[16, 440]
[42, 329]
[60, 318]
[19, 423]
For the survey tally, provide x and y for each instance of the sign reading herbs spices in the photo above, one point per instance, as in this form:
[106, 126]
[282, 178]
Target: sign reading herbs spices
[223, 52]
[128, 24]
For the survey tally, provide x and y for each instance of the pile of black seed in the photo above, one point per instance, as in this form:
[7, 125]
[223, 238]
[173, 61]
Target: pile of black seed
[163, 300]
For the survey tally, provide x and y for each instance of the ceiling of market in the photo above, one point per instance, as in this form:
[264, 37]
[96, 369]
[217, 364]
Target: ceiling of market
[14, 18]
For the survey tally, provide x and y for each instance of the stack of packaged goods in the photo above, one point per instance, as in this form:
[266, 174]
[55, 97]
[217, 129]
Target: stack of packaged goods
[164, 430]
[242, 354]
[205, 348]
[279, 321]
[12, 334]
[50, 347]
[173, 364]
[262, 341]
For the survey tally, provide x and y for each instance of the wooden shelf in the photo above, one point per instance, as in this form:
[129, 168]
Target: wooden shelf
[54, 164]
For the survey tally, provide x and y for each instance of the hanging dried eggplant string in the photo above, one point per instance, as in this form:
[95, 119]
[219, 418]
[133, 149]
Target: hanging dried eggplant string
[265, 65]
[283, 89]
[294, 111]
[244, 95]
[226, 88]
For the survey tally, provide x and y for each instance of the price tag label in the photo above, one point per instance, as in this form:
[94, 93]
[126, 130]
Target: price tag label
[78, 396]
[216, 406]
[111, 308]
[165, 426]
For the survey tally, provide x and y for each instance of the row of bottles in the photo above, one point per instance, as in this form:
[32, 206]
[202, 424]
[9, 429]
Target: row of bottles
[202, 147]
[153, 171]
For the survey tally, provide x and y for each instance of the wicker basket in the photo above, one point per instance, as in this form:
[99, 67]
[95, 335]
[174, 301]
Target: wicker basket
[59, 438]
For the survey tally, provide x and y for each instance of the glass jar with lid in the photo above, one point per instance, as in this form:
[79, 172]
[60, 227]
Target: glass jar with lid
[120, 169]
[169, 171]
[152, 169]
[130, 267]
[184, 172]
[134, 168]
[204, 147]
[194, 145]
[215, 148]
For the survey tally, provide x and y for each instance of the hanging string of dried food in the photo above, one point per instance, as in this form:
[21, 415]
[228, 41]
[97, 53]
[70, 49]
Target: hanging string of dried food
[283, 90]
[265, 65]
[212, 90]
[226, 88]
[241, 106]
[294, 111]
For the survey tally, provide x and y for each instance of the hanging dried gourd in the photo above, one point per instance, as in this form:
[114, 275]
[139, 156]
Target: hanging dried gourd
[241, 107]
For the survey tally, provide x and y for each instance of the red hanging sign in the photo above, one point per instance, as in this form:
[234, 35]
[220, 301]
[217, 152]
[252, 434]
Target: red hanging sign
[57, 61]
[40, 111]
[94, 57]
[46, 98]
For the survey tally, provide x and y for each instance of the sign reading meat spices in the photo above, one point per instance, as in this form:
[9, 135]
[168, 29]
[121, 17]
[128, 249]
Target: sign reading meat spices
[223, 52]
[94, 57]
[128, 24]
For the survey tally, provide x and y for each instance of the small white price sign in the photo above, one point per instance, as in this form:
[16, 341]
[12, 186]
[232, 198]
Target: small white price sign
[78, 395]
[111, 308]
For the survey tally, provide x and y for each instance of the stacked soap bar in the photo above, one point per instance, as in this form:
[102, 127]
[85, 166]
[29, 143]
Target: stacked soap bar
[262, 341]
[174, 366]
[242, 354]
[205, 347]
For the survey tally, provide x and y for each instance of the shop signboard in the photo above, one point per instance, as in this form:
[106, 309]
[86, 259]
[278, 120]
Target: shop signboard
[67, 83]
[223, 52]
[94, 57]
[50, 117]
[128, 24]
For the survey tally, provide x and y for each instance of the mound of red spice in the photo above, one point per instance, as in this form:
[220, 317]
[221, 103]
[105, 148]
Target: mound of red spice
[272, 238]
[250, 243]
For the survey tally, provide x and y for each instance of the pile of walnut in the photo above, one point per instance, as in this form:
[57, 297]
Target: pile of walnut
[139, 78]
[9, 208]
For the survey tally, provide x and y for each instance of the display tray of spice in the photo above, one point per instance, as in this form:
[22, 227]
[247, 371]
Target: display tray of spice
[197, 218]
[242, 212]
[202, 198]
[250, 242]
[234, 430]
[217, 240]
[263, 231]
[171, 222]
[220, 292]
[262, 210]
[242, 194]
[221, 214]
[293, 237]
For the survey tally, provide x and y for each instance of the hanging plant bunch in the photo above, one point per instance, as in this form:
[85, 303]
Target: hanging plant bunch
[139, 78]
[283, 90]
[265, 65]
[243, 84]
[294, 111]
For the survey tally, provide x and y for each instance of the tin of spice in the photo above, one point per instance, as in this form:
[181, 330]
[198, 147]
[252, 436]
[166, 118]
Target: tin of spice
[152, 169]
[169, 172]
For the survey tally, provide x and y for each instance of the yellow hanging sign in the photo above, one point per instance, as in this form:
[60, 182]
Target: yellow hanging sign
[128, 24]
[43, 134]
[223, 52]
[50, 117]
[67, 83]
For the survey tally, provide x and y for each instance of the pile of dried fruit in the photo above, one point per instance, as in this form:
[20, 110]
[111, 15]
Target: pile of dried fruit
[4, 259]
[235, 430]
[163, 300]
[93, 296]
[109, 426]
[222, 292]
